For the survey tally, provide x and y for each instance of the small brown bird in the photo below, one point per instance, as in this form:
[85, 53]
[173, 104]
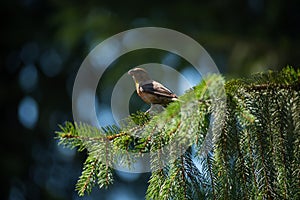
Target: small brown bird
[152, 92]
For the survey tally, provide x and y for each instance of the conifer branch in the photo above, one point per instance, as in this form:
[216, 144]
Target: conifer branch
[247, 142]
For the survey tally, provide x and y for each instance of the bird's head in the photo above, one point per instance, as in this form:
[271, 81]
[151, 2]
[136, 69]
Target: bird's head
[139, 75]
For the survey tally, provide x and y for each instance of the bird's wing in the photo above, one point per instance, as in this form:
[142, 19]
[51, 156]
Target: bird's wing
[158, 89]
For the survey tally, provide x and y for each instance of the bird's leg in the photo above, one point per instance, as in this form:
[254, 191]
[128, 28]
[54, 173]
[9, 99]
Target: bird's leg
[155, 109]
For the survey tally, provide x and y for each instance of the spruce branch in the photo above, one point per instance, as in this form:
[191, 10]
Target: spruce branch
[238, 139]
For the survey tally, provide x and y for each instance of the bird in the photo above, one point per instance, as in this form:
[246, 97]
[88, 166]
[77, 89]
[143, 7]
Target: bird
[151, 91]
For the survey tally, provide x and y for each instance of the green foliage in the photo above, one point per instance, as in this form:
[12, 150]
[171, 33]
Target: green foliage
[238, 140]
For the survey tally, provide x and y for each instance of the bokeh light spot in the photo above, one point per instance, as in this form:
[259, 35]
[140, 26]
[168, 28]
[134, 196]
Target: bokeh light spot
[28, 78]
[29, 53]
[51, 63]
[28, 112]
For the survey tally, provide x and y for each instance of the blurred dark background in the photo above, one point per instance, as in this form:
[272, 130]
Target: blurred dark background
[43, 44]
